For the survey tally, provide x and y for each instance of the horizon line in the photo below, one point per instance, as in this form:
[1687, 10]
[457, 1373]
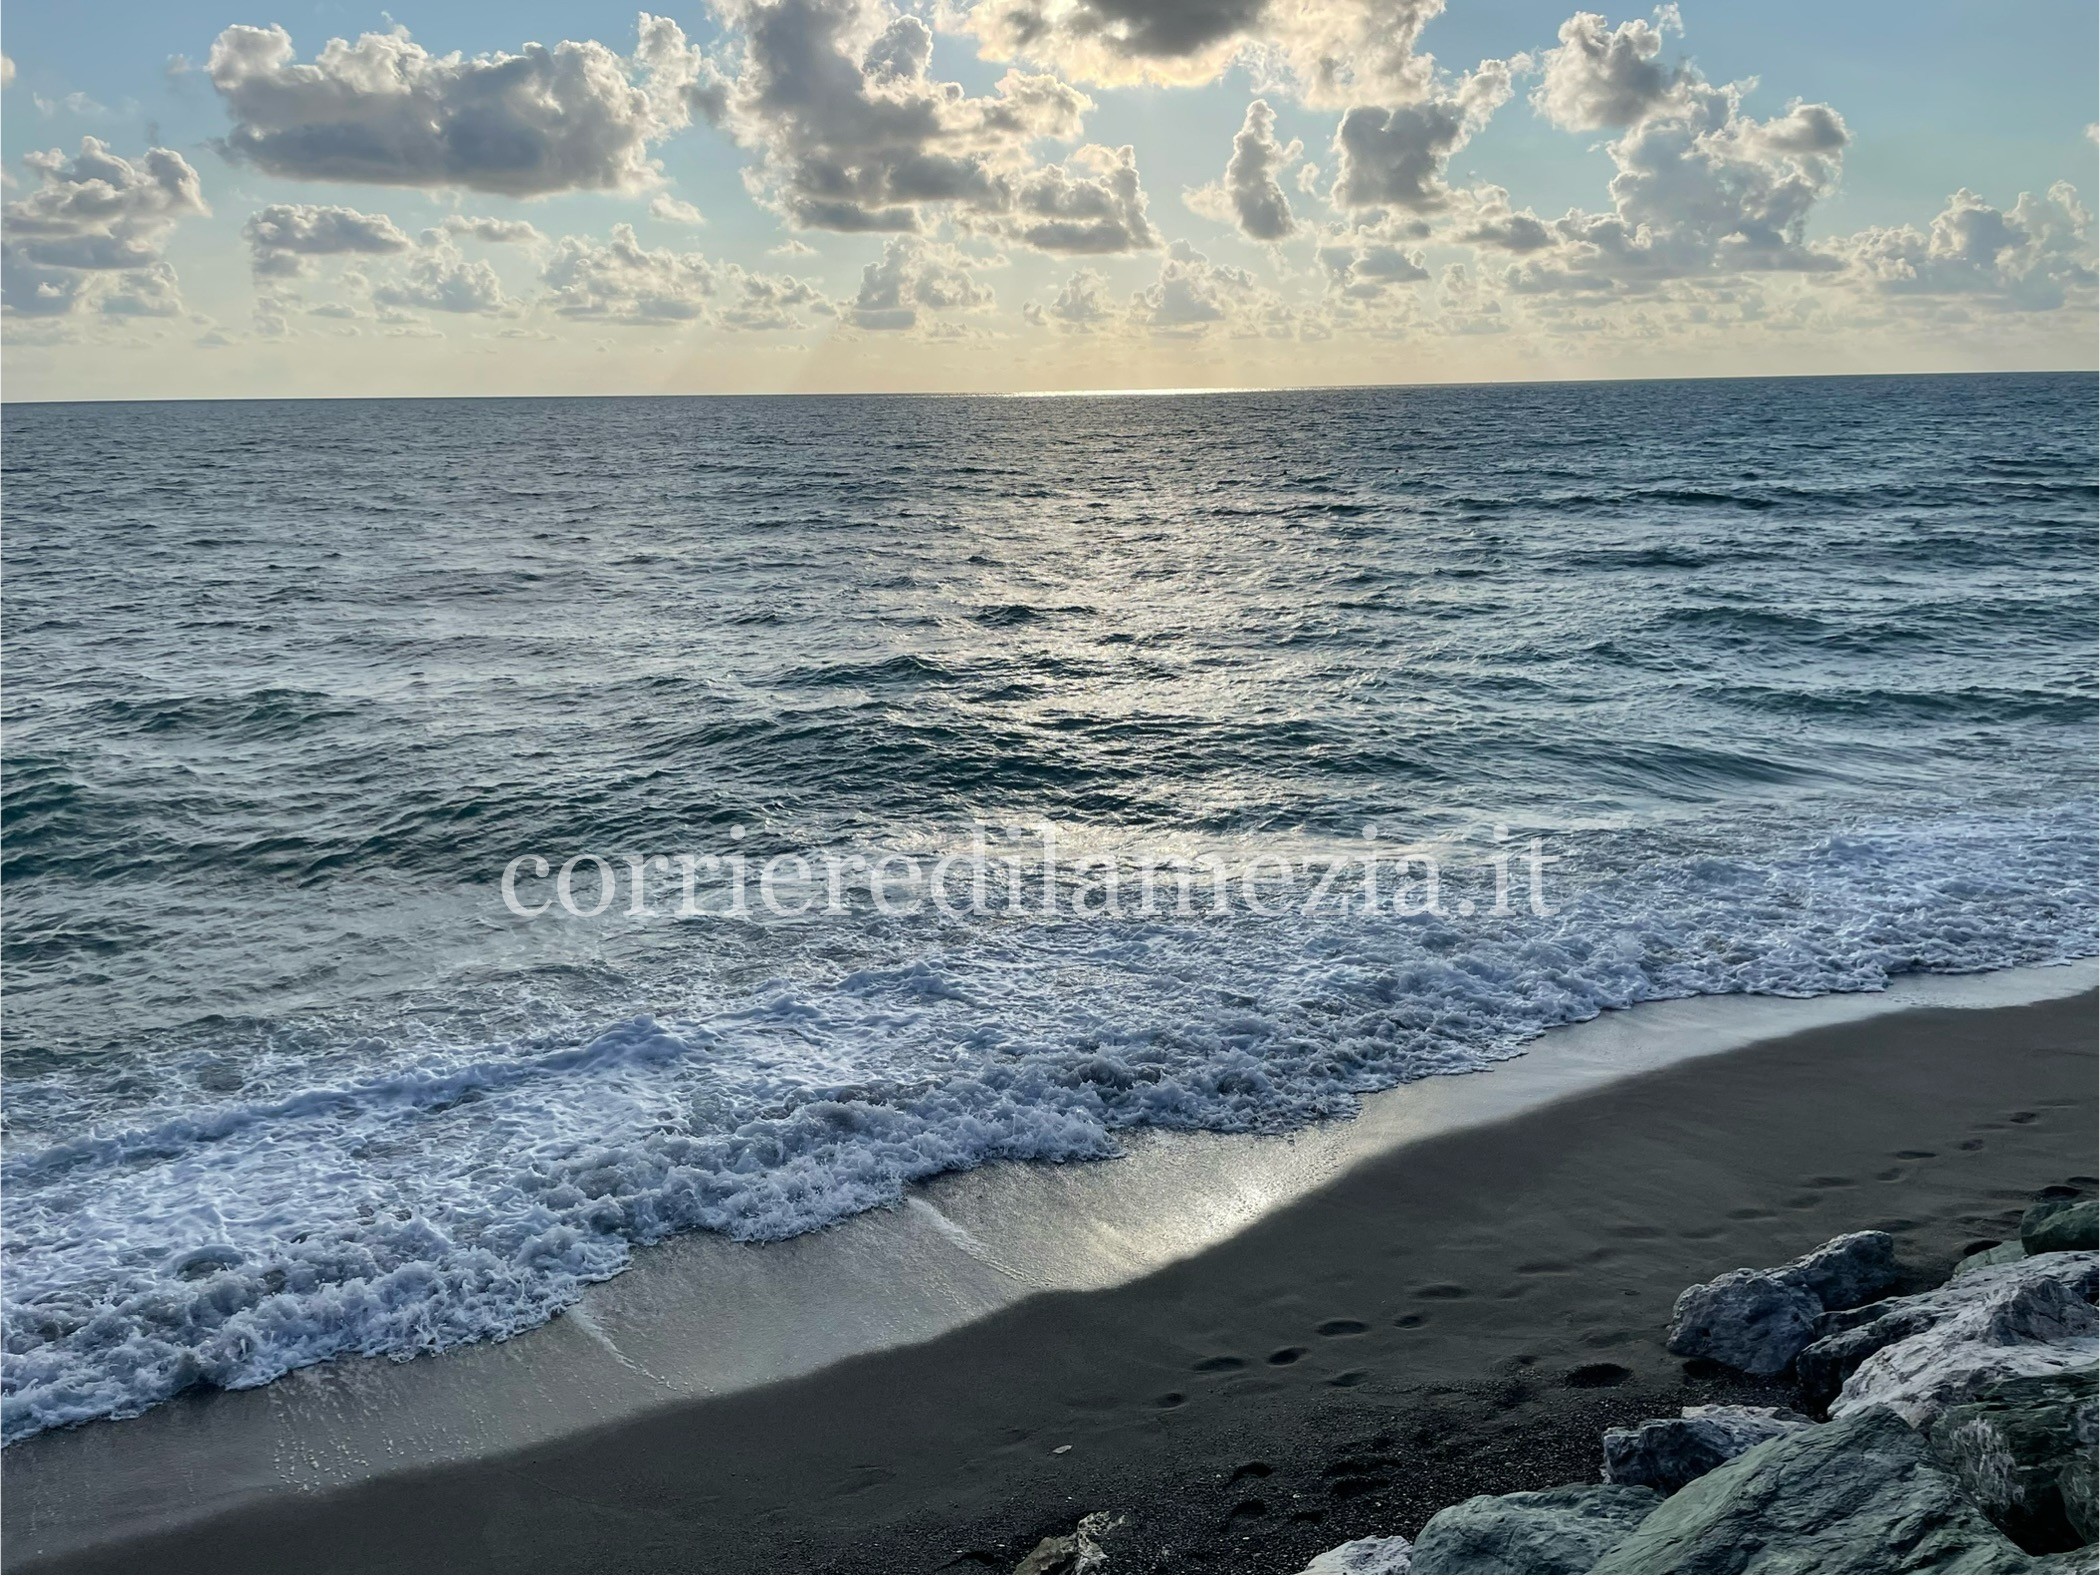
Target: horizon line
[1135, 392]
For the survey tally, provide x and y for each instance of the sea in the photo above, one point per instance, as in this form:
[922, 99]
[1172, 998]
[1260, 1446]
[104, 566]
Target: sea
[1685, 688]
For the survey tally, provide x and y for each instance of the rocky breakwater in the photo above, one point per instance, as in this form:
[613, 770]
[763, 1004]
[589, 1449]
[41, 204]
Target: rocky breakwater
[1950, 1429]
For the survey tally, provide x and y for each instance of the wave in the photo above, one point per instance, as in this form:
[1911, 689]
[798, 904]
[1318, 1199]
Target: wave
[455, 1195]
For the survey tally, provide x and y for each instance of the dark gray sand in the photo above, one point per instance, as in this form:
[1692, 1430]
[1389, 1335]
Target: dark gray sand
[1463, 1316]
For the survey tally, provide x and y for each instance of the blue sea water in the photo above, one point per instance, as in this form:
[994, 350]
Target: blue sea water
[1794, 678]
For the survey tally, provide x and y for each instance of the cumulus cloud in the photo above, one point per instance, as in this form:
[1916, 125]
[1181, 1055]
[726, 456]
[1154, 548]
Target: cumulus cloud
[1250, 195]
[1091, 203]
[576, 117]
[7, 71]
[94, 227]
[496, 231]
[913, 277]
[623, 281]
[1080, 305]
[1326, 52]
[1700, 188]
[2031, 256]
[441, 278]
[672, 211]
[1396, 158]
[1194, 296]
[283, 237]
[1365, 263]
[854, 135]
[1599, 78]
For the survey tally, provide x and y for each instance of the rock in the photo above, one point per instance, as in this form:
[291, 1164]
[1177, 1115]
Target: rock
[2003, 1253]
[2024, 1450]
[1079, 1552]
[1553, 1529]
[2013, 1294]
[1847, 1271]
[2085, 1560]
[1668, 1452]
[2073, 1228]
[1756, 1320]
[2018, 1320]
[1752, 1320]
[1367, 1557]
[1860, 1495]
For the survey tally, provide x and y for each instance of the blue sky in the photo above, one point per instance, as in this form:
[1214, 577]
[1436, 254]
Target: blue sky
[1382, 283]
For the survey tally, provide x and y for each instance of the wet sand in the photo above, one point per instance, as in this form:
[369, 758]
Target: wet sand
[1463, 1315]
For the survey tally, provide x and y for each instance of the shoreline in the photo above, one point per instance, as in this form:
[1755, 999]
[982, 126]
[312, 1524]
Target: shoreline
[765, 1464]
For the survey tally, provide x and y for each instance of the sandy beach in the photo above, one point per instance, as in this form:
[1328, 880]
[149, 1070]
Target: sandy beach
[1460, 1316]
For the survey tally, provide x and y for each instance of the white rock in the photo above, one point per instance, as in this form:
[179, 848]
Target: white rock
[1367, 1557]
[2027, 1318]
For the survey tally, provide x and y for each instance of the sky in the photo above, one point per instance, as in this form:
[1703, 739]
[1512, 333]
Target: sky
[241, 198]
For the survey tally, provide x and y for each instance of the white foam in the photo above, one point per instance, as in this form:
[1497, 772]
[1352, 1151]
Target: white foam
[444, 1196]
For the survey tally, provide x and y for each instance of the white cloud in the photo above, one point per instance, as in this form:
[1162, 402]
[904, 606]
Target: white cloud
[1395, 158]
[1598, 79]
[1700, 190]
[1366, 262]
[672, 211]
[1250, 195]
[496, 231]
[623, 281]
[283, 236]
[854, 135]
[1091, 203]
[1325, 52]
[2030, 257]
[911, 278]
[1193, 295]
[1081, 304]
[7, 71]
[576, 117]
[94, 226]
[441, 278]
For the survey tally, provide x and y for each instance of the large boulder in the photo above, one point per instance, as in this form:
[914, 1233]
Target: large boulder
[1849, 1270]
[1756, 1320]
[1861, 1495]
[1984, 1258]
[2060, 1227]
[1549, 1530]
[1365, 1557]
[2024, 1450]
[2022, 1301]
[1751, 1320]
[1668, 1452]
[2032, 1318]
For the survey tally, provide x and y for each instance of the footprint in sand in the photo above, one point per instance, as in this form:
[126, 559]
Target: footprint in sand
[1917, 1154]
[1443, 1291]
[1250, 1469]
[2024, 1117]
[1343, 1327]
[1220, 1365]
[1284, 1357]
[1971, 1144]
[1170, 1400]
[1349, 1380]
[1830, 1182]
[1596, 1376]
[1409, 1321]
